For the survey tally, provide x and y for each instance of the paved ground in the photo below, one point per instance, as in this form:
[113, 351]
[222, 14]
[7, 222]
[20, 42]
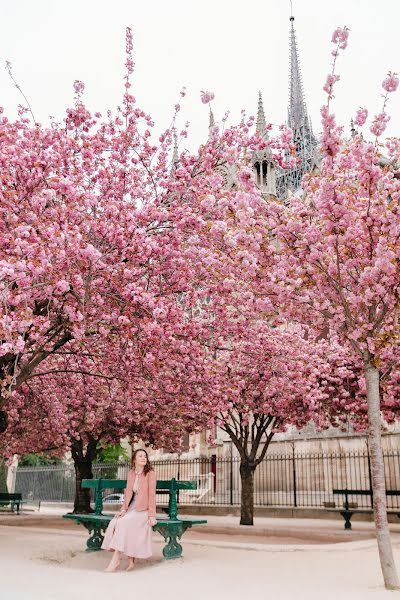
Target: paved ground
[226, 528]
[43, 558]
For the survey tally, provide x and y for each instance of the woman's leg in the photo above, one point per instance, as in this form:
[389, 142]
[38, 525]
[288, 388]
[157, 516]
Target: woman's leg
[131, 563]
[114, 563]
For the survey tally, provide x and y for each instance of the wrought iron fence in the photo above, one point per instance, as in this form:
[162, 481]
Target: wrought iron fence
[287, 480]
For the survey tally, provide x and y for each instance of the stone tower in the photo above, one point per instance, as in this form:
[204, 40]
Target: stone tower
[269, 176]
[263, 164]
[298, 120]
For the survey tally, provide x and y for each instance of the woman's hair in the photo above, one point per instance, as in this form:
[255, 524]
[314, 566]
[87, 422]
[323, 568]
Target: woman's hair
[147, 467]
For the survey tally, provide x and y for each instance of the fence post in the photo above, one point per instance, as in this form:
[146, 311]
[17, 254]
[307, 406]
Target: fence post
[214, 470]
[178, 475]
[294, 476]
[62, 485]
[231, 477]
[34, 484]
[370, 475]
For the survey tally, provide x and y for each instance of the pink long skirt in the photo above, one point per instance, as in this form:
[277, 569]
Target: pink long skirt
[130, 534]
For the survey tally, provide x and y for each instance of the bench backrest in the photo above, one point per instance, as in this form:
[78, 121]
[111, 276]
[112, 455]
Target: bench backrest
[353, 492]
[8, 497]
[163, 486]
[348, 493]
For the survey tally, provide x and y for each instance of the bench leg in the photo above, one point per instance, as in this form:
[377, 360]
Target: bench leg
[95, 538]
[347, 514]
[171, 534]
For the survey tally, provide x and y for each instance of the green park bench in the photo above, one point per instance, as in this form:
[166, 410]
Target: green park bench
[171, 527]
[14, 500]
[349, 508]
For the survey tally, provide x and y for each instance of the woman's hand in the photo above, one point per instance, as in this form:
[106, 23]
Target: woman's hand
[120, 513]
[152, 521]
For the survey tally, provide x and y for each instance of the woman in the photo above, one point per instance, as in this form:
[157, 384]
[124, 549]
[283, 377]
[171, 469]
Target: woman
[130, 530]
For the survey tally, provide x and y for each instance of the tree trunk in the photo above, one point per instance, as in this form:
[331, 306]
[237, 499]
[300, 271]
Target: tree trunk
[3, 413]
[378, 478]
[3, 476]
[3, 421]
[247, 499]
[83, 470]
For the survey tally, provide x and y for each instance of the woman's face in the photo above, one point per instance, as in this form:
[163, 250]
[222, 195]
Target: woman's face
[140, 459]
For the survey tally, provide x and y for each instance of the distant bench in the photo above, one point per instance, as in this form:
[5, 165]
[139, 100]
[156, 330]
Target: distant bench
[171, 528]
[15, 500]
[348, 510]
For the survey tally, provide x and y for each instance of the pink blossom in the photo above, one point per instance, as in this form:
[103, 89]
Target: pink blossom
[208, 202]
[361, 117]
[393, 146]
[330, 82]
[379, 124]
[391, 83]
[330, 139]
[62, 286]
[19, 344]
[340, 36]
[79, 86]
[207, 97]
[286, 135]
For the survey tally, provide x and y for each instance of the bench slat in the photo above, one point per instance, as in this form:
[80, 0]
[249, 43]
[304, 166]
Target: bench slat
[353, 492]
[107, 518]
[364, 492]
[162, 485]
[103, 484]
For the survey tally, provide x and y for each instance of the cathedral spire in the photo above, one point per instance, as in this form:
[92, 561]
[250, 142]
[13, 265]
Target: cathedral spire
[175, 155]
[297, 113]
[211, 124]
[303, 137]
[261, 125]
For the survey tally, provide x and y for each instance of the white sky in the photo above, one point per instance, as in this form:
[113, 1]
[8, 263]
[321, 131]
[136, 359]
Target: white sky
[231, 47]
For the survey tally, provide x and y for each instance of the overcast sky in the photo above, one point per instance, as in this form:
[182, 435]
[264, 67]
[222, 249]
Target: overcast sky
[232, 47]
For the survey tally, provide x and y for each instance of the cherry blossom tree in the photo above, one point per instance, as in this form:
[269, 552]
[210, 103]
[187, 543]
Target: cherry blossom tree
[337, 265]
[272, 378]
[84, 401]
[101, 236]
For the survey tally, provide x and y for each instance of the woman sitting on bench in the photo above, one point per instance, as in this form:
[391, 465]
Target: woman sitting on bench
[130, 531]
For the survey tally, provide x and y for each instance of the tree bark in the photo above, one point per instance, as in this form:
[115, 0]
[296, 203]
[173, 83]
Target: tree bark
[3, 421]
[247, 498]
[388, 566]
[83, 470]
